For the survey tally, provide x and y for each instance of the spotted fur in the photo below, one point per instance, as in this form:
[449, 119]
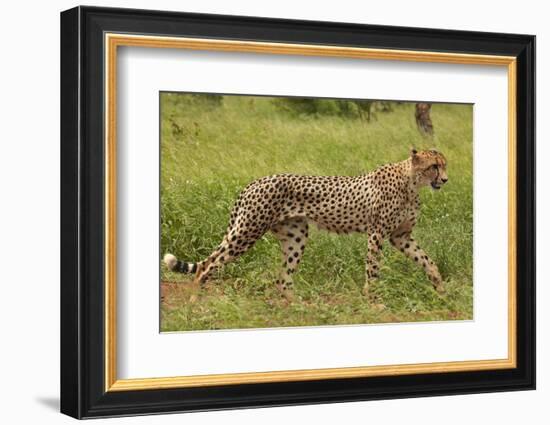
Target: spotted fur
[383, 203]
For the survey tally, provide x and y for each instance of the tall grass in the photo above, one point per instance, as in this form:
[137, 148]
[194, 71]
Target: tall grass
[211, 149]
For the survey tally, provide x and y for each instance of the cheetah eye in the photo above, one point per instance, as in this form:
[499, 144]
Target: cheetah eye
[434, 167]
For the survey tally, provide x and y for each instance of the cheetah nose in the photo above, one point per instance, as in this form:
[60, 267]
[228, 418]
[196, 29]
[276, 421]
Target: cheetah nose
[444, 180]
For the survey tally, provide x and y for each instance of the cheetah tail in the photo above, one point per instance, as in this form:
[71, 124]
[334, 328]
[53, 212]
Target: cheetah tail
[179, 266]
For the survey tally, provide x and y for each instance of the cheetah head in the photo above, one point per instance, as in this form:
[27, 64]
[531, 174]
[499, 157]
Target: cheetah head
[430, 168]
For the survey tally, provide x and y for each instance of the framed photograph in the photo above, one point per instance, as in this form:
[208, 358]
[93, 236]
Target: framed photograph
[261, 212]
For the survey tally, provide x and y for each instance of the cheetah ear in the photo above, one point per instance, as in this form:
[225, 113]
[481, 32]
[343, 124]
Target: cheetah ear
[415, 158]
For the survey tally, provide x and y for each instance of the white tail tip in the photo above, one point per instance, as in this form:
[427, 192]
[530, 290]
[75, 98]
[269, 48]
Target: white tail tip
[170, 261]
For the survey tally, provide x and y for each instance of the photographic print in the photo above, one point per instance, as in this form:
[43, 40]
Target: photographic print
[242, 185]
[289, 211]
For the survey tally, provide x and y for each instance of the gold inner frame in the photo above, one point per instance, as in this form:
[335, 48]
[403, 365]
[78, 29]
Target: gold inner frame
[113, 41]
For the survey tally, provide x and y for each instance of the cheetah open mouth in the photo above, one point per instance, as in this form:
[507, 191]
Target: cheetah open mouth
[435, 186]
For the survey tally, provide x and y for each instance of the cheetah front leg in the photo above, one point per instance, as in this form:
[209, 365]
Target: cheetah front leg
[408, 246]
[373, 259]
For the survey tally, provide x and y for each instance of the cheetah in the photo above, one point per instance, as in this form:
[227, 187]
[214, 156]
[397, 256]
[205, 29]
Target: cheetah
[384, 204]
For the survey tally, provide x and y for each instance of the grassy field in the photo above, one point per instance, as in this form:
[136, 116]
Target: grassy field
[211, 149]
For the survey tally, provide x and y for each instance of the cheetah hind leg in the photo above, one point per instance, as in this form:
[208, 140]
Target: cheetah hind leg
[292, 235]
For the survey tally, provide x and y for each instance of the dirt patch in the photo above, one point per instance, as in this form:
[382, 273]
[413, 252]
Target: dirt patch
[172, 294]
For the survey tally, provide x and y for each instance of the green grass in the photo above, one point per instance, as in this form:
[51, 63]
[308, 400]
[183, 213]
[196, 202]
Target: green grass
[210, 151]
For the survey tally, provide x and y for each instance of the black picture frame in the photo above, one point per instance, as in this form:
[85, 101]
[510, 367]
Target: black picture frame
[83, 392]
